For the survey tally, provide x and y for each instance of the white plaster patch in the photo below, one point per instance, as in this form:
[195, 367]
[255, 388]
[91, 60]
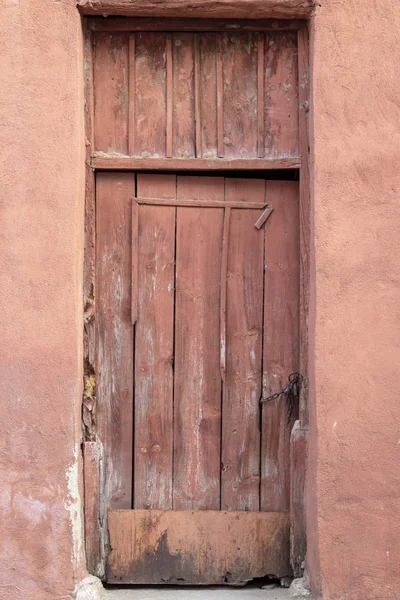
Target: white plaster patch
[73, 506]
[32, 509]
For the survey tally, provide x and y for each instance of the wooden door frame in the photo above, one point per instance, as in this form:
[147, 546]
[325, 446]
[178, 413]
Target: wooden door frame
[183, 11]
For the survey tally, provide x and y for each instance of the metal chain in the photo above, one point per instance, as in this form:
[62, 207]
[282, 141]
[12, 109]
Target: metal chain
[290, 392]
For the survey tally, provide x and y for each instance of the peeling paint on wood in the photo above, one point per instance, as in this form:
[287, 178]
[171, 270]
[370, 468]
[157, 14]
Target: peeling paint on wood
[226, 94]
[197, 547]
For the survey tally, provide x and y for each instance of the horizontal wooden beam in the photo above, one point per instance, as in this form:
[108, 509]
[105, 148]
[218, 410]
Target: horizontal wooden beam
[167, 24]
[112, 163]
[240, 9]
[199, 203]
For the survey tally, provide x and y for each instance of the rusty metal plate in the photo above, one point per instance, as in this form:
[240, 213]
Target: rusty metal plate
[196, 547]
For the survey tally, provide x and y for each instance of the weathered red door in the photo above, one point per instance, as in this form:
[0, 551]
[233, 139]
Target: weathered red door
[197, 294]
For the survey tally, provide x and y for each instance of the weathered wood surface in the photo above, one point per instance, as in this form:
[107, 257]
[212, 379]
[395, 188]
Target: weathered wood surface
[106, 162]
[111, 97]
[235, 90]
[114, 333]
[197, 395]
[196, 547]
[154, 342]
[168, 24]
[240, 9]
[94, 510]
[298, 464]
[281, 339]
[281, 97]
[242, 388]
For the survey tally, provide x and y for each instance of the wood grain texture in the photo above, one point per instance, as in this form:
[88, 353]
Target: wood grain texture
[197, 398]
[114, 333]
[281, 95]
[170, 95]
[244, 321]
[298, 465]
[196, 547]
[154, 341]
[224, 274]
[199, 203]
[208, 94]
[113, 163]
[239, 56]
[168, 24]
[220, 96]
[183, 131]
[89, 266]
[111, 67]
[281, 339]
[304, 220]
[197, 100]
[260, 97]
[239, 9]
[93, 470]
[150, 98]
[132, 94]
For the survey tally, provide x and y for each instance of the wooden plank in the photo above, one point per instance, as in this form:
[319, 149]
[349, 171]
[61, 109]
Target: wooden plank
[298, 465]
[240, 9]
[132, 94]
[197, 399]
[168, 24]
[170, 88]
[93, 507]
[111, 92]
[281, 339]
[263, 217]
[224, 273]
[183, 129]
[135, 261]
[197, 101]
[304, 221]
[281, 103]
[196, 547]
[89, 353]
[220, 97]
[199, 203]
[260, 97]
[208, 93]
[154, 341]
[114, 333]
[150, 86]
[242, 388]
[240, 59]
[126, 163]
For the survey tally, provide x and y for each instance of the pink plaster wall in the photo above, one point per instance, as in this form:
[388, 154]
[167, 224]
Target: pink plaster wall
[42, 160]
[354, 507]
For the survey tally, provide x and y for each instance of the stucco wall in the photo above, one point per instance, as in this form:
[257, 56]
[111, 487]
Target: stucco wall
[354, 479]
[42, 160]
[354, 516]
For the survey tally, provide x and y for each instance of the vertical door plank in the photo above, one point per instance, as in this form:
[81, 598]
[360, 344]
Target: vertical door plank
[240, 60]
[261, 97]
[154, 346]
[150, 101]
[220, 97]
[242, 388]
[281, 339]
[197, 396]
[110, 74]
[183, 137]
[281, 103]
[208, 96]
[170, 95]
[132, 87]
[114, 333]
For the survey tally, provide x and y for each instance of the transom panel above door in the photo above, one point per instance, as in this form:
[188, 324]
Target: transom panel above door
[198, 94]
[197, 286]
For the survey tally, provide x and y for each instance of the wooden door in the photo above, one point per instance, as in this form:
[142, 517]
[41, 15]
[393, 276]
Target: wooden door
[197, 317]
